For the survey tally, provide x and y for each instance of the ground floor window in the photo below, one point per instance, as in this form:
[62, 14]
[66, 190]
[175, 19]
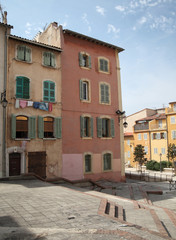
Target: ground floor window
[107, 161]
[88, 163]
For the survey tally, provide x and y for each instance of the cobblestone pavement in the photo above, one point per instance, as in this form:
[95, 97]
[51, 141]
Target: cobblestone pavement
[31, 209]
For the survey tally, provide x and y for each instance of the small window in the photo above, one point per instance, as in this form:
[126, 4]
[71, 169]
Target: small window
[145, 136]
[155, 150]
[146, 150]
[139, 136]
[173, 134]
[88, 163]
[22, 87]
[104, 93]
[105, 127]
[23, 127]
[128, 142]
[163, 151]
[23, 53]
[103, 65]
[172, 120]
[84, 90]
[86, 126]
[49, 59]
[49, 127]
[160, 123]
[107, 158]
[49, 91]
[84, 60]
[128, 154]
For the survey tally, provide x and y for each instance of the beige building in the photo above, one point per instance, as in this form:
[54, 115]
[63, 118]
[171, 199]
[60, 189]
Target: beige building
[34, 109]
[4, 33]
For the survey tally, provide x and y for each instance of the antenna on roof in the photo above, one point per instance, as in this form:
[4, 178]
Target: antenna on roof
[44, 28]
[2, 14]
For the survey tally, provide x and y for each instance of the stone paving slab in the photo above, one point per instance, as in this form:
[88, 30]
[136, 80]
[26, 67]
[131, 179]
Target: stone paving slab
[31, 209]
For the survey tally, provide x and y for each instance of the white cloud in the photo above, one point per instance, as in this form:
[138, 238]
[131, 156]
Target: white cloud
[120, 8]
[113, 29]
[85, 19]
[100, 10]
[142, 20]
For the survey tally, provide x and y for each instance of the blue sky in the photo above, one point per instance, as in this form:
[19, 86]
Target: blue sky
[146, 29]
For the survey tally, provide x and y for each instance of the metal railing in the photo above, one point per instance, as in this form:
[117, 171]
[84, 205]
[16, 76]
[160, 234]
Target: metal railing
[148, 177]
[157, 126]
[141, 126]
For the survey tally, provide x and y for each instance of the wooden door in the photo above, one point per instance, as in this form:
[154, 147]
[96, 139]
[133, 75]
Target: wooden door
[37, 163]
[14, 164]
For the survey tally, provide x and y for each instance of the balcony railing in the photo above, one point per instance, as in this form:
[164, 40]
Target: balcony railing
[141, 126]
[158, 127]
[170, 110]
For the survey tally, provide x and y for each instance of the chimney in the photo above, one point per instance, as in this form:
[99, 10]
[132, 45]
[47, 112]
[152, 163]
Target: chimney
[5, 17]
[55, 24]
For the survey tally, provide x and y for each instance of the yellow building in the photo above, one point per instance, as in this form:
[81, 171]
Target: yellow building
[158, 130]
[129, 149]
[171, 122]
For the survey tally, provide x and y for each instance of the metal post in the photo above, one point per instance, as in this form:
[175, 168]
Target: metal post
[160, 161]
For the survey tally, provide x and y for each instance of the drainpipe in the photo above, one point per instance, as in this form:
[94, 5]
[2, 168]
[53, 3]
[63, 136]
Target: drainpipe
[4, 108]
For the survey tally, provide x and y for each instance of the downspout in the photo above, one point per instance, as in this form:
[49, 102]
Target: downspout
[4, 108]
[121, 120]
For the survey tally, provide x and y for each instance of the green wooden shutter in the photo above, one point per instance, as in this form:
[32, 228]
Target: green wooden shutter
[99, 127]
[82, 126]
[81, 89]
[46, 91]
[52, 59]
[20, 52]
[90, 65]
[106, 93]
[40, 127]
[102, 90]
[19, 87]
[25, 88]
[112, 128]
[52, 91]
[57, 127]
[28, 54]
[13, 126]
[81, 64]
[46, 60]
[32, 127]
[165, 135]
[91, 125]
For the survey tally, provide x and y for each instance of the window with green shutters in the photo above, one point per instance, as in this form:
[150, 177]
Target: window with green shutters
[49, 91]
[84, 60]
[86, 126]
[88, 163]
[23, 53]
[49, 127]
[104, 93]
[103, 65]
[84, 86]
[22, 87]
[23, 127]
[107, 159]
[49, 59]
[105, 128]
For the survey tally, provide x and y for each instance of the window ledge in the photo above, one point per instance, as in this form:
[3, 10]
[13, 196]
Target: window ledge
[85, 101]
[52, 67]
[106, 138]
[49, 138]
[103, 72]
[105, 103]
[110, 170]
[18, 60]
[88, 173]
[22, 139]
[86, 68]
[87, 138]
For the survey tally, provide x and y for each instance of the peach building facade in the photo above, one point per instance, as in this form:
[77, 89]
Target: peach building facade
[92, 144]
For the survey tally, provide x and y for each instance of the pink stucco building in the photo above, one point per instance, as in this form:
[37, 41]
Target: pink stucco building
[92, 137]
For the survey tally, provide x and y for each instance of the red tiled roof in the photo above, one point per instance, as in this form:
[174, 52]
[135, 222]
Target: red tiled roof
[155, 116]
[128, 134]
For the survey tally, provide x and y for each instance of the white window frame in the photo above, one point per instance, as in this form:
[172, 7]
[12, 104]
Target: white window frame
[145, 136]
[139, 136]
[155, 150]
[172, 120]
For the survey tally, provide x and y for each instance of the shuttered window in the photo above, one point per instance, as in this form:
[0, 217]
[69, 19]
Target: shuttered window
[23, 53]
[86, 126]
[107, 158]
[103, 65]
[49, 91]
[84, 90]
[88, 163]
[104, 93]
[84, 60]
[105, 128]
[49, 127]
[22, 87]
[49, 59]
[23, 127]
